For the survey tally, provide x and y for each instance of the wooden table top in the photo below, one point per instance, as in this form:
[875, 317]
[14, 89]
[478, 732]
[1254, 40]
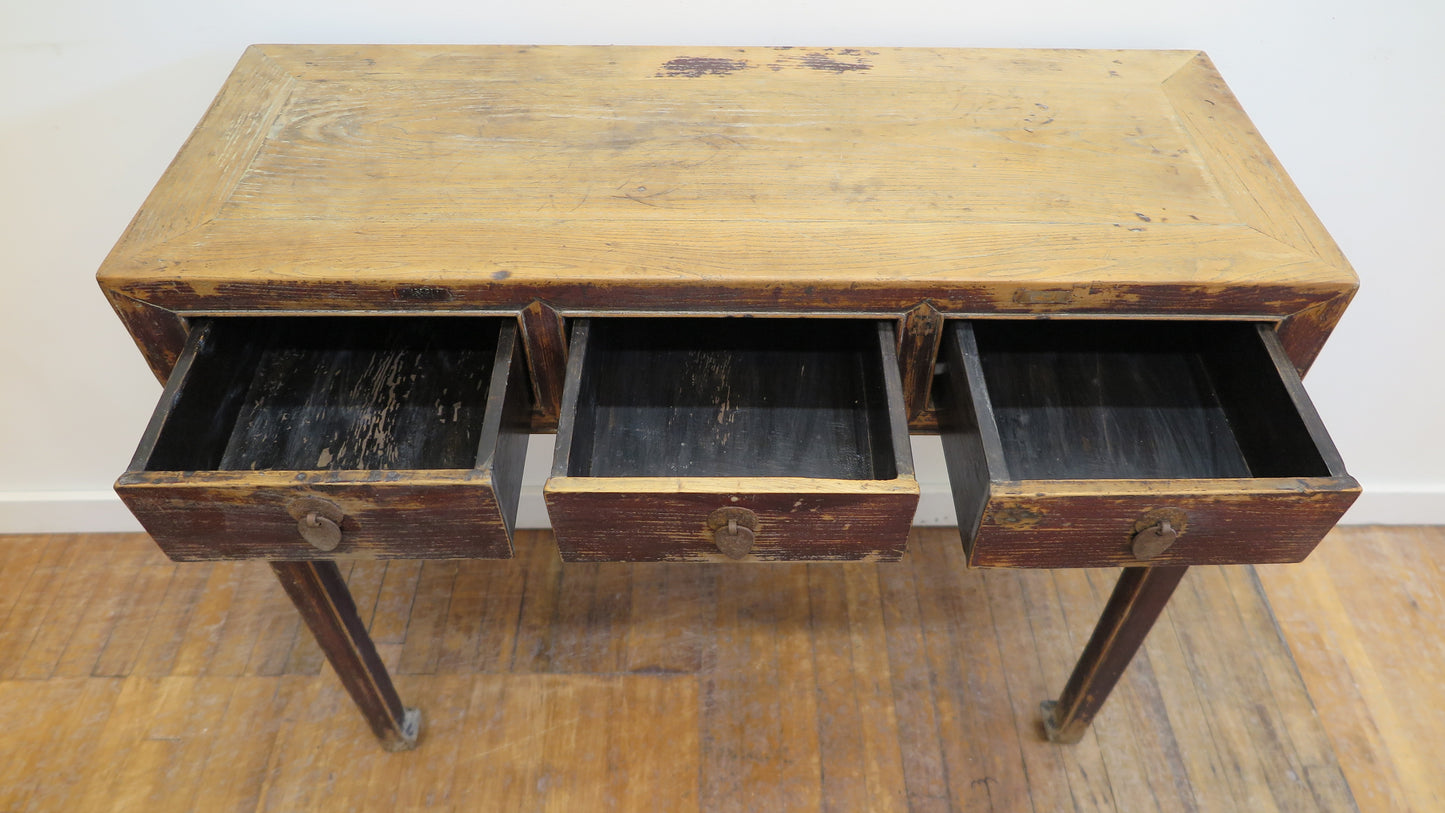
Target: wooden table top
[761, 180]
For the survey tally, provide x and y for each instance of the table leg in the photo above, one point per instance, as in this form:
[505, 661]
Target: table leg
[320, 595]
[1138, 598]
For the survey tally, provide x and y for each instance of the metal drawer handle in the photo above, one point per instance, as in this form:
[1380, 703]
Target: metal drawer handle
[733, 530]
[1157, 531]
[318, 521]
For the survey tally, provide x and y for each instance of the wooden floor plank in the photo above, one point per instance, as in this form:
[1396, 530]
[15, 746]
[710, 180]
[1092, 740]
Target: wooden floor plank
[458, 645]
[680, 687]
[726, 740]
[18, 557]
[124, 731]
[238, 638]
[922, 754]
[37, 593]
[277, 627]
[1264, 772]
[202, 636]
[671, 615]
[235, 768]
[135, 614]
[1033, 654]
[987, 770]
[1365, 643]
[781, 660]
[1204, 758]
[576, 775]
[656, 762]
[541, 586]
[167, 631]
[1290, 706]
[132, 570]
[394, 602]
[506, 723]
[69, 594]
[428, 618]
[873, 690]
[50, 754]
[589, 630]
[430, 774]
[1136, 741]
[187, 721]
[840, 726]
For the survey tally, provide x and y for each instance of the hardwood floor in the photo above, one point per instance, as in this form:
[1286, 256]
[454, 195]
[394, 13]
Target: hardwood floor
[130, 682]
[1366, 622]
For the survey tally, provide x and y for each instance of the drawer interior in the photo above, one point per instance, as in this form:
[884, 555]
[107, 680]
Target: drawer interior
[716, 397]
[1141, 400]
[331, 393]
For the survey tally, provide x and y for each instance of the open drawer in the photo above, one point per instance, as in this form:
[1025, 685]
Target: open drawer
[1087, 443]
[334, 437]
[731, 438]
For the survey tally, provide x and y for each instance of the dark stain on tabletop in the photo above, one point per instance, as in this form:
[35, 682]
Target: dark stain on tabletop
[825, 62]
[694, 66]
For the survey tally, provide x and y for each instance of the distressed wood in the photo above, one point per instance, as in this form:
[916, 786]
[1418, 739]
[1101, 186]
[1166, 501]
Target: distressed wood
[158, 333]
[420, 450]
[618, 181]
[1059, 437]
[545, 339]
[320, 595]
[549, 185]
[627, 520]
[1138, 599]
[666, 421]
[919, 332]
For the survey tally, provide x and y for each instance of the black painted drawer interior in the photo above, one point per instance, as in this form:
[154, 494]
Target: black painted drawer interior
[405, 434]
[671, 428]
[731, 397]
[1070, 441]
[1138, 399]
[320, 393]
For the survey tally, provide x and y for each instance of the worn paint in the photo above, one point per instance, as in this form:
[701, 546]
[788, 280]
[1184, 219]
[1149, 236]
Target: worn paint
[423, 293]
[825, 61]
[1017, 517]
[692, 67]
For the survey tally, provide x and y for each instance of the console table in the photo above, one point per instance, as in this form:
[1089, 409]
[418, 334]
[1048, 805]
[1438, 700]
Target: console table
[732, 281]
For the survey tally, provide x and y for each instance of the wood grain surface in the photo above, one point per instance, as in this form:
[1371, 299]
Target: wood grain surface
[367, 178]
[127, 680]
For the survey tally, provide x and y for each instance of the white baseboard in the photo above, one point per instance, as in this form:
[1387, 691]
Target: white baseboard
[36, 512]
[64, 512]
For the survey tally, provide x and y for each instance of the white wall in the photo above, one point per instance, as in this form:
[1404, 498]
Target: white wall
[95, 98]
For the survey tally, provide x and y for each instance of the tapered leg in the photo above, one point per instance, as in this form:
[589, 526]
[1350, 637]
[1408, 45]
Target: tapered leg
[1138, 599]
[320, 594]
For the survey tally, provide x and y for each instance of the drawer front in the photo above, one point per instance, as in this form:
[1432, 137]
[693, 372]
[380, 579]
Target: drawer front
[1097, 524]
[732, 440]
[1111, 444]
[424, 423]
[417, 515]
[687, 519]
